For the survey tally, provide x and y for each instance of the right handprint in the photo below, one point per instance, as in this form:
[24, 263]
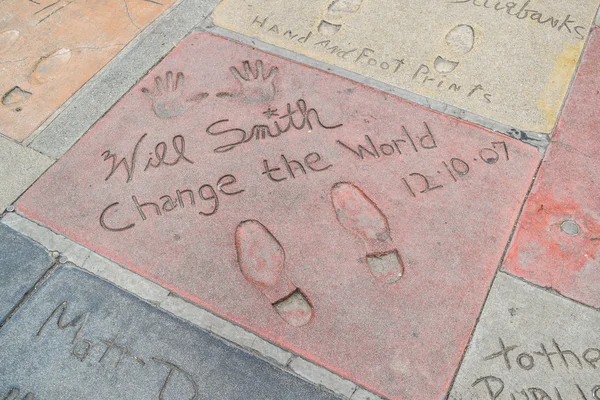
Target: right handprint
[255, 87]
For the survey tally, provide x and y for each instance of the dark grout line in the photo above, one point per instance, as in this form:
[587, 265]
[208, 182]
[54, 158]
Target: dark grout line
[53, 267]
[498, 270]
[573, 78]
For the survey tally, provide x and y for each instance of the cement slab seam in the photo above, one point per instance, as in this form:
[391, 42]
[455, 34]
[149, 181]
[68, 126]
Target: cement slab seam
[498, 270]
[22, 144]
[571, 83]
[549, 290]
[68, 250]
[20, 178]
[536, 139]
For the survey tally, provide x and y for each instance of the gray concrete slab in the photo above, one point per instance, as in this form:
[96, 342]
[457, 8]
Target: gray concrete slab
[22, 264]
[531, 344]
[78, 337]
[95, 98]
[19, 168]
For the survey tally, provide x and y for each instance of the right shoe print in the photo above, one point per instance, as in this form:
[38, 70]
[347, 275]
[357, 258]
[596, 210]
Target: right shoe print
[335, 15]
[357, 213]
[459, 42]
[262, 261]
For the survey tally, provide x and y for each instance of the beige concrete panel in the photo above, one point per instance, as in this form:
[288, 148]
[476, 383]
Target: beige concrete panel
[509, 61]
[50, 48]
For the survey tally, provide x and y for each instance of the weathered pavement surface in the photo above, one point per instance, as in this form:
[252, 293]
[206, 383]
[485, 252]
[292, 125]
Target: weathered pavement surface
[264, 200]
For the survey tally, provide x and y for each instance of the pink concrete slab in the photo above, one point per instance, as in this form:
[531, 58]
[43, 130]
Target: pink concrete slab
[558, 240]
[362, 232]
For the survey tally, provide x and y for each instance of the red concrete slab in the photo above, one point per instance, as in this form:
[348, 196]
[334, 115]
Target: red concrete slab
[349, 226]
[557, 243]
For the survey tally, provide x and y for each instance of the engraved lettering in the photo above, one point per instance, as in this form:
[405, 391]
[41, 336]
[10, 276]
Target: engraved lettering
[176, 370]
[300, 118]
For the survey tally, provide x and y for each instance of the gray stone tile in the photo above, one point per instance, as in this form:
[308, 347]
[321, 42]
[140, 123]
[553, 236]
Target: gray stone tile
[22, 264]
[531, 345]
[79, 337]
[19, 168]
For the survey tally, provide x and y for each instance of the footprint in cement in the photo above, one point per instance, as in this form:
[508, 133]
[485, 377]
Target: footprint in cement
[262, 261]
[357, 213]
[49, 67]
[7, 40]
[335, 15]
[15, 97]
[460, 41]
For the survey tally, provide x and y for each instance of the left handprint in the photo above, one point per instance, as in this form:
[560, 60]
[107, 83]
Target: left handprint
[168, 97]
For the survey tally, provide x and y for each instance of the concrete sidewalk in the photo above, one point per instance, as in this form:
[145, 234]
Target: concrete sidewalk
[267, 200]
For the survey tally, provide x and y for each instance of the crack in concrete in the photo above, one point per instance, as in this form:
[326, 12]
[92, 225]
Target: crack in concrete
[54, 12]
[47, 7]
[13, 61]
[73, 49]
[129, 15]
[573, 149]
[98, 48]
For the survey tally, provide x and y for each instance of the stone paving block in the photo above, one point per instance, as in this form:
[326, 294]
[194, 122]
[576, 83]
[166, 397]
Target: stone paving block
[531, 344]
[79, 337]
[22, 264]
[508, 61]
[338, 222]
[19, 168]
[48, 51]
[557, 243]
